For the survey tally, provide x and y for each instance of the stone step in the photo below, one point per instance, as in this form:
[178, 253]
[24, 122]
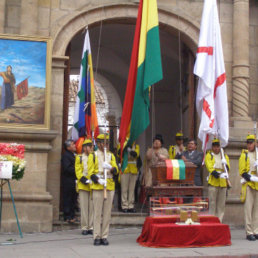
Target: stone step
[118, 219]
[128, 219]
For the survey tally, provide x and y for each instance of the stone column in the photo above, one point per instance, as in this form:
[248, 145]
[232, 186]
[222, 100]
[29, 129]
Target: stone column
[241, 60]
[56, 118]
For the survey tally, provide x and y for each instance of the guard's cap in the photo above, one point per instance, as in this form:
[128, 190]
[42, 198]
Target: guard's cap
[215, 141]
[101, 137]
[250, 138]
[87, 142]
[179, 136]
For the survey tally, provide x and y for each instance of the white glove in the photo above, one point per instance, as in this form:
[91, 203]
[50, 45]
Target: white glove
[106, 165]
[254, 178]
[88, 181]
[242, 181]
[129, 149]
[101, 181]
[223, 175]
[256, 163]
[223, 161]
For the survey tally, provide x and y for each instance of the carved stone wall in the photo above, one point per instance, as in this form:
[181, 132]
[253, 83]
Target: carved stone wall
[61, 20]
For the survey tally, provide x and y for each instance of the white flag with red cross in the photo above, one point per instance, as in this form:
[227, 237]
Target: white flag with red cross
[211, 97]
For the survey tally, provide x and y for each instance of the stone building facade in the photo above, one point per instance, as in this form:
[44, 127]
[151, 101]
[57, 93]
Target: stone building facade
[38, 194]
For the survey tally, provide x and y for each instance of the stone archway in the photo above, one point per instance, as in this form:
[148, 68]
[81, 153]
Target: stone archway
[62, 33]
[65, 30]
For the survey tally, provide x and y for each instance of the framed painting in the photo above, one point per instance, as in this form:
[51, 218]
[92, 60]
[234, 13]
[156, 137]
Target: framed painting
[25, 70]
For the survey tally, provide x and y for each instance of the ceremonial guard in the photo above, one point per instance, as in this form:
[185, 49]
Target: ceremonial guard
[178, 148]
[217, 181]
[101, 169]
[83, 187]
[248, 163]
[128, 179]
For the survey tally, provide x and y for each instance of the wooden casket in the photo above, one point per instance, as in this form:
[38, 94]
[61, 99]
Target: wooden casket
[161, 186]
[159, 175]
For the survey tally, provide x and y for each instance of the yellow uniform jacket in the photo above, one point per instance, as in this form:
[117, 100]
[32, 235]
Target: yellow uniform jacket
[132, 161]
[246, 165]
[173, 150]
[95, 162]
[81, 170]
[213, 162]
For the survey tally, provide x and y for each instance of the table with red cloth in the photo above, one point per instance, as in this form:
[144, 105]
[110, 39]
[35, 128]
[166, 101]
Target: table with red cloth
[164, 232]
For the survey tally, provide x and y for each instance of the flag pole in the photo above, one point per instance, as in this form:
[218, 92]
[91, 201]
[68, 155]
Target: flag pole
[255, 142]
[105, 158]
[180, 76]
[152, 113]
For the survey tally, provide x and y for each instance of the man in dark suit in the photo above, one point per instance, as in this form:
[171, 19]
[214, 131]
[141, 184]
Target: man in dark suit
[194, 156]
[69, 177]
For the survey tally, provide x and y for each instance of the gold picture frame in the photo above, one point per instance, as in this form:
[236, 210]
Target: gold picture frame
[25, 81]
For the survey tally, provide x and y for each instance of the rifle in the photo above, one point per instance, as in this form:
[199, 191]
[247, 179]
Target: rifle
[105, 170]
[255, 142]
[225, 168]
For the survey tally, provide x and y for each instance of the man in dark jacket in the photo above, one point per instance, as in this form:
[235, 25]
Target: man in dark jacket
[69, 177]
[194, 156]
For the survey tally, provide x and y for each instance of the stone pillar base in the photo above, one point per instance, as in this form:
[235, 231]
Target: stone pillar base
[35, 213]
[234, 206]
[241, 127]
[243, 122]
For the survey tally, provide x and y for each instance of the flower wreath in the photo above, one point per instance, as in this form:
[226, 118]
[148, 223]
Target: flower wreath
[14, 152]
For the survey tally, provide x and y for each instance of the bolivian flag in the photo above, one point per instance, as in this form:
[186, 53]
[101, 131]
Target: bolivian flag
[175, 169]
[145, 70]
[85, 115]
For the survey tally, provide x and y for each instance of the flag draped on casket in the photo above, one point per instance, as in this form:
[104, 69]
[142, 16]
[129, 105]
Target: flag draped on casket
[145, 70]
[22, 89]
[211, 98]
[85, 115]
[175, 169]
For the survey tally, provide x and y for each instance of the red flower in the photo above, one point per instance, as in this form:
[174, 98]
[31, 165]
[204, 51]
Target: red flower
[12, 149]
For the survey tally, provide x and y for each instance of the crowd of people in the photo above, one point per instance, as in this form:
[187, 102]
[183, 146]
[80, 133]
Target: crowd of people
[94, 173]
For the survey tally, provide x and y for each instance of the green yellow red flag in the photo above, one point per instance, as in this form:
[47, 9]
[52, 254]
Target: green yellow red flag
[145, 70]
[175, 169]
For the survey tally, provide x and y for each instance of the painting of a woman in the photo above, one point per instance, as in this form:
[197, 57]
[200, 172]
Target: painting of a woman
[8, 88]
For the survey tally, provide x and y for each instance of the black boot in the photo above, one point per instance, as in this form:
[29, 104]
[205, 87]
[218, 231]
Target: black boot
[132, 210]
[85, 232]
[104, 241]
[250, 237]
[97, 241]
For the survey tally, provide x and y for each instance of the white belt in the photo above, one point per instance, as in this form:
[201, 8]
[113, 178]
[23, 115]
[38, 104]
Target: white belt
[131, 162]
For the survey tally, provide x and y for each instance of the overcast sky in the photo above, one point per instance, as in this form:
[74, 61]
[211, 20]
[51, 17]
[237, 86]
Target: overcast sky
[27, 58]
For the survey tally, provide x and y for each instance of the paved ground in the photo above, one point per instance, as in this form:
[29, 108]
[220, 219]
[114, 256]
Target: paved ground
[71, 243]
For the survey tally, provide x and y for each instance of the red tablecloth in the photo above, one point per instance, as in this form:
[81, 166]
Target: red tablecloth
[163, 232]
